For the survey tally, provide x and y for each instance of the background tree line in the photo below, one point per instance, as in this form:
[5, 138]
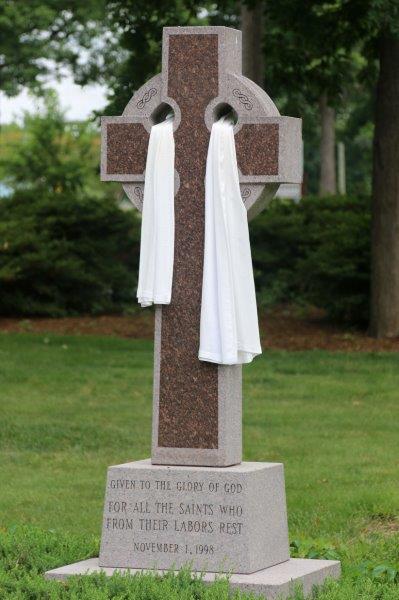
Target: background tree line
[334, 63]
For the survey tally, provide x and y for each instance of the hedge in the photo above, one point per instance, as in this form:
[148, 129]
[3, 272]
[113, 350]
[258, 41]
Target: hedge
[316, 251]
[63, 255]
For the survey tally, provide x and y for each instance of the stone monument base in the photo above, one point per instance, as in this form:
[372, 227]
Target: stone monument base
[275, 582]
[219, 519]
[213, 520]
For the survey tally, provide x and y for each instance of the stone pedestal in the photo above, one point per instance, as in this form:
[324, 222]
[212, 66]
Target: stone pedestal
[216, 519]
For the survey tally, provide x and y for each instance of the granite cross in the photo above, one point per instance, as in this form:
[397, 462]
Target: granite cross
[197, 405]
[206, 509]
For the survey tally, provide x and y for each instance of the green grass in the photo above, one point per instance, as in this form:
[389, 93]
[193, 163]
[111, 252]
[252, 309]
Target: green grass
[71, 406]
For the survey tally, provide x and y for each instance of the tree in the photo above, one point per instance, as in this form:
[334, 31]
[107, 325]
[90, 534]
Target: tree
[133, 50]
[312, 48]
[53, 156]
[385, 230]
[38, 36]
[310, 58]
[375, 29]
[65, 247]
[328, 35]
[328, 178]
[252, 26]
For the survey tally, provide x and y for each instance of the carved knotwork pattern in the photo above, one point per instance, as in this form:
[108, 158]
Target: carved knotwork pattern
[138, 191]
[146, 98]
[243, 98]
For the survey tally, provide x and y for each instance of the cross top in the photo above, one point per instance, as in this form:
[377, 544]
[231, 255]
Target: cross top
[197, 405]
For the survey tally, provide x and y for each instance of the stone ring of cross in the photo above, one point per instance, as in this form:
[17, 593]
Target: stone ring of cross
[200, 81]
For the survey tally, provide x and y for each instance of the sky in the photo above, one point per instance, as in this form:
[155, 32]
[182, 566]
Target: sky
[78, 101]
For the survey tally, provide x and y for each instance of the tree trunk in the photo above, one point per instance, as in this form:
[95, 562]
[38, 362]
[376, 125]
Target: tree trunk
[328, 180]
[385, 228]
[253, 63]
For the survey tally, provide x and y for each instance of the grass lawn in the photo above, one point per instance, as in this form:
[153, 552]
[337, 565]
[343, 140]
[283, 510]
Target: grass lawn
[71, 406]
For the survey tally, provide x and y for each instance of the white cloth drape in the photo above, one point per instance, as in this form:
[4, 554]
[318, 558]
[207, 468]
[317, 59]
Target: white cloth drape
[158, 219]
[229, 320]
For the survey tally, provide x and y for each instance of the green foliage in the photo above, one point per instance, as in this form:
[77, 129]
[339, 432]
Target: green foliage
[26, 552]
[61, 254]
[318, 67]
[52, 155]
[64, 254]
[315, 251]
[298, 549]
[355, 128]
[132, 54]
[381, 572]
[55, 30]
[64, 247]
[352, 30]
[335, 270]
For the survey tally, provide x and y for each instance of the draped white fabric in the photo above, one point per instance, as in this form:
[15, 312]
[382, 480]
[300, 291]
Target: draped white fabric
[229, 320]
[158, 219]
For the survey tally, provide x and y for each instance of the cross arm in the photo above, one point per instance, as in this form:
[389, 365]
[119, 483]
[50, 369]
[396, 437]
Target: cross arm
[124, 139]
[270, 150]
[124, 149]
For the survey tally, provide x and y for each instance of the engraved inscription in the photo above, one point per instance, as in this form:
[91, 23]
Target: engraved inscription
[188, 518]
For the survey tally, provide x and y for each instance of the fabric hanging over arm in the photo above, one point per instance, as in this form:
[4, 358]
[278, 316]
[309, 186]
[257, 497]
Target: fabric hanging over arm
[158, 218]
[229, 320]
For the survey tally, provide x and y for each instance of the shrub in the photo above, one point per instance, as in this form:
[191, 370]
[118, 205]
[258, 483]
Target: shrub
[63, 255]
[315, 251]
[51, 155]
[65, 247]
